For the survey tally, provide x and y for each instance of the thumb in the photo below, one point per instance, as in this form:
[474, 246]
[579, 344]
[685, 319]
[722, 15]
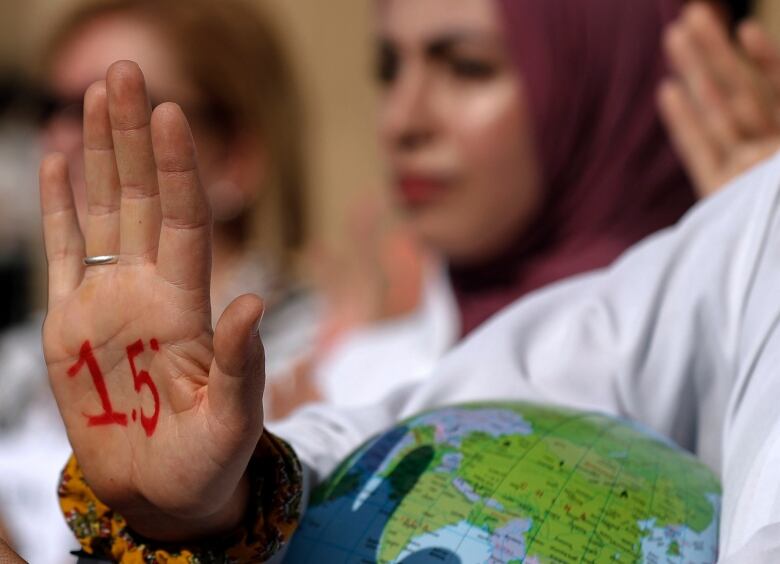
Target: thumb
[237, 376]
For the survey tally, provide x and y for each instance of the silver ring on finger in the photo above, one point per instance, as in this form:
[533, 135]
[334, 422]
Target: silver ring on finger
[100, 260]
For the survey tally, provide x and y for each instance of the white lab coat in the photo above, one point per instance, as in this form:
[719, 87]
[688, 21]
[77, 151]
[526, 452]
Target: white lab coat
[373, 361]
[681, 334]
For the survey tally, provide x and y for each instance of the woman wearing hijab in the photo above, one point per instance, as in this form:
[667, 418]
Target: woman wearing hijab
[524, 146]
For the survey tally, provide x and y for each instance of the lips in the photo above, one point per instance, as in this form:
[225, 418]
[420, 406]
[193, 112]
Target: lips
[416, 190]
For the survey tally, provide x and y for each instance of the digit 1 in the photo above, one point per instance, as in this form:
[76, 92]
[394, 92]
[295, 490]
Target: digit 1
[109, 416]
[141, 379]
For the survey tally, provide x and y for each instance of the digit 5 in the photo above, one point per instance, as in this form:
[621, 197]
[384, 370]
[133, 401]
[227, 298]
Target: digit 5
[141, 379]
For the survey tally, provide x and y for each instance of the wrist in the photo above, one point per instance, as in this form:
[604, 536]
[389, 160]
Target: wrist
[154, 525]
[254, 525]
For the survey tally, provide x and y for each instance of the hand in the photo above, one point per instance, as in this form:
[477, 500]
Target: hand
[380, 278]
[162, 416]
[287, 392]
[722, 108]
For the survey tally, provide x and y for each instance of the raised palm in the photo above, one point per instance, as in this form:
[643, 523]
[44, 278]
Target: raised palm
[722, 106]
[162, 416]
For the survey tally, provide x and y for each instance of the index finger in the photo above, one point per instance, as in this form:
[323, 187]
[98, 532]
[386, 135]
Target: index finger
[689, 136]
[61, 234]
[762, 50]
[747, 91]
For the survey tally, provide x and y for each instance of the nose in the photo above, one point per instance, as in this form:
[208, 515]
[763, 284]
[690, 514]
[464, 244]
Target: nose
[408, 120]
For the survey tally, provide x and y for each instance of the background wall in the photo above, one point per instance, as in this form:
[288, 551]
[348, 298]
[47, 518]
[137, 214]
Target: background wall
[768, 11]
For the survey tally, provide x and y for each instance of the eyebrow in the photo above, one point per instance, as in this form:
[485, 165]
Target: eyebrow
[443, 44]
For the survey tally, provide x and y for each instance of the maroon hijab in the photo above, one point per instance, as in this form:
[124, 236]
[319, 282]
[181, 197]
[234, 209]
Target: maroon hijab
[590, 69]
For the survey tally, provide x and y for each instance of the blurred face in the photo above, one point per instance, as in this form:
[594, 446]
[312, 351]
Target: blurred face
[85, 58]
[455, 126]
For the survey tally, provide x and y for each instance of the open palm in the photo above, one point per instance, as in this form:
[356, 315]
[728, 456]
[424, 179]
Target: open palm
[162, 414]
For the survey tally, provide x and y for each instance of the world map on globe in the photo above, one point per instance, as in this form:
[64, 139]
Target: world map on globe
[511, 483]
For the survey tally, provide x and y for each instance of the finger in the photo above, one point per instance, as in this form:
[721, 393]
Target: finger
[693, 143]
[746, 90]
[762, 50]
[62, 236]
[184, 256]
[704, 93]
[102, 179]
[130, 114]
[237, 376]
[717, 50]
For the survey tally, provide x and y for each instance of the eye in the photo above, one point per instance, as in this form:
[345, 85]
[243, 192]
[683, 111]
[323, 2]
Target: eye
[387, 64]
[469, 68]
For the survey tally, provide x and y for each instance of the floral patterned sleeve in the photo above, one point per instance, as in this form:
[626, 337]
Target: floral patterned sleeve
[277, 486]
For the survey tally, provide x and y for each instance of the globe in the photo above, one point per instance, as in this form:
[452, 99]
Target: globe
[510, 483]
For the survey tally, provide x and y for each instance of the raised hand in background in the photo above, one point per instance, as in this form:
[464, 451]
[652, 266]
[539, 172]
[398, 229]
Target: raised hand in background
[722, 105]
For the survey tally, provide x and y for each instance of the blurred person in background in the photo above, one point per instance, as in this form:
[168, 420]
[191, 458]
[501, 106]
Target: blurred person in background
[19, 222]
[235, 85]
[586, 171]
[517, 163]
[28, 418]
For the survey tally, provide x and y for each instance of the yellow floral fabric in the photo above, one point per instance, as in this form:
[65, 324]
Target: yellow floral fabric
[277, 487]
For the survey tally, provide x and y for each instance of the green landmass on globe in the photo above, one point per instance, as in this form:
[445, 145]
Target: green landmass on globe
[511, 483]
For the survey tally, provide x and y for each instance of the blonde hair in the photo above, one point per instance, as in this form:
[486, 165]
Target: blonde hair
[231, 53]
